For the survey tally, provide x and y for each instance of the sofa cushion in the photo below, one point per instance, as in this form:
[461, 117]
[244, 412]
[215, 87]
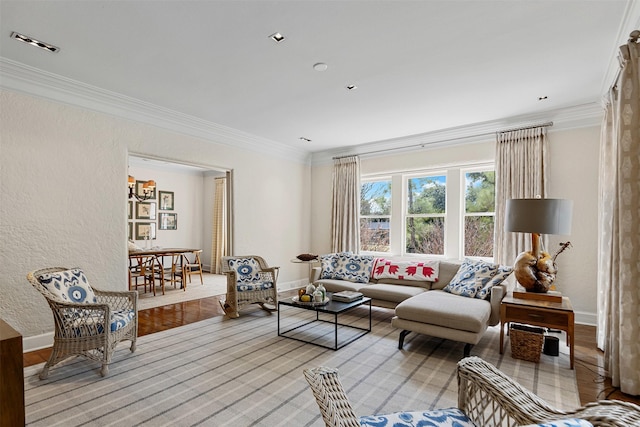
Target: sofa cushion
[346, 266]
[334, 285]
[392, 293]
[405, 270]
[472, 276]
[447, 310]
[447, 269]
[502, 273]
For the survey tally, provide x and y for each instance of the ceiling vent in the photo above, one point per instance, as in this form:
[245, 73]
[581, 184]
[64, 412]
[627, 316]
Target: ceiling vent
[34, 42]
[277, 37]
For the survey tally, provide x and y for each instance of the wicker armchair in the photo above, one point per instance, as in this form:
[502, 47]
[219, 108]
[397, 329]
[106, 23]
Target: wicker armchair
[250, 280]
[486, 397]
[88, 322]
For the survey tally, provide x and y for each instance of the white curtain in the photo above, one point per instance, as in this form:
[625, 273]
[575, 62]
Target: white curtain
[219, 222]
[345, 227]
[619, 227]
[521, 156]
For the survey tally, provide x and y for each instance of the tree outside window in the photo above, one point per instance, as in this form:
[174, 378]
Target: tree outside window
[375, 215]
[479, 213]
[425, 215]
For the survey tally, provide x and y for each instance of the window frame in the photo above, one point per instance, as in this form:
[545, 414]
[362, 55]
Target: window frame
[463, 211]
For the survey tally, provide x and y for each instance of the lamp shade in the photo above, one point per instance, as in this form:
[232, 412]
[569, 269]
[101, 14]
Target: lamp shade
[541, 216]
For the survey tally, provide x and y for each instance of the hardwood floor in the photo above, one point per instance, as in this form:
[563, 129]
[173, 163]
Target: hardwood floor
[589, 361]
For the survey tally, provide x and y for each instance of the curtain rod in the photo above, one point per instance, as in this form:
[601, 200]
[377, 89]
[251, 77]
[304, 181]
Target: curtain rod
[422, 145]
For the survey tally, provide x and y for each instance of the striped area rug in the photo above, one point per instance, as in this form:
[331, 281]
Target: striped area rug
[238, 372]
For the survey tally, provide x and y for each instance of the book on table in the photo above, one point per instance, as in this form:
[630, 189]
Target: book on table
[346, 296]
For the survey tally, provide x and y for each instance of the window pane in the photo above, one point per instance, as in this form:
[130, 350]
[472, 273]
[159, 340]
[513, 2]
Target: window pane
[375, 198]
[426, 195]
[480, 192]
[478, 236]
[374, 234]
[425, 236]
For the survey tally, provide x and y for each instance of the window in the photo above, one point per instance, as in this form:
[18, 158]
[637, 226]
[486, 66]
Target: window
[425, 215]
[375, 215]
[440, 212]
[479, 207]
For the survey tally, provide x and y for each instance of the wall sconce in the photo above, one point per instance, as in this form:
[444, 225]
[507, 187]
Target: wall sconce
[148, 190]
[536, 270]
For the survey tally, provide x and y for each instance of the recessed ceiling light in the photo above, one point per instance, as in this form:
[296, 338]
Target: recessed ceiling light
[542, 98]
[33, 42]
[277, 37]
[302, 138]
[351, 87]
[320, 66]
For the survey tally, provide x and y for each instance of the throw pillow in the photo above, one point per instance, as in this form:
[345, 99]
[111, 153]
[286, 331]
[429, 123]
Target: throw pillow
[346, 266]
[68, 286]
[405, 270]
[472, 276]
[502, 273]
[247, 269]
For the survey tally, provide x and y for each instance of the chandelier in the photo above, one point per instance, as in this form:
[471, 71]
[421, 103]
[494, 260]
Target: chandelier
[148, 190]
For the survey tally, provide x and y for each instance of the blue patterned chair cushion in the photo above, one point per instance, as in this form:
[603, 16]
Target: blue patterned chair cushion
[346, 266]
[247, 270]
[68, 286]
[471, 277]
[452, 417]
[254, 286]
[84, 323]
[502, 273]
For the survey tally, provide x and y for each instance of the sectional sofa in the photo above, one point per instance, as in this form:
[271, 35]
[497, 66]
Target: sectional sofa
[448, 299]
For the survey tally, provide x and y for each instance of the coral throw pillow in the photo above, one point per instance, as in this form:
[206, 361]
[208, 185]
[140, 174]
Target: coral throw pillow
[405, 270]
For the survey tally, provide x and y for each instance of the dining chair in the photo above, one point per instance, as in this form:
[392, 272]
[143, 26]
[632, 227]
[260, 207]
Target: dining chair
[139, 268]
[193, 267]
[174, 272]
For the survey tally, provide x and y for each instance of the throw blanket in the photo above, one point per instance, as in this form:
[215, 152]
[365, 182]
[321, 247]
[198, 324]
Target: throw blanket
[405, 270]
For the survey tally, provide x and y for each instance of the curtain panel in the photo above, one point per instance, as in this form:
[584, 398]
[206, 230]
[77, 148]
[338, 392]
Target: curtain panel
[218, 220]
[345, 212]
[619, 226]
[521, 158]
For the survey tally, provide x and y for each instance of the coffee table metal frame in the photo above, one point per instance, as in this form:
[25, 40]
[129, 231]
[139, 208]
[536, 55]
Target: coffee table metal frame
[332, 307]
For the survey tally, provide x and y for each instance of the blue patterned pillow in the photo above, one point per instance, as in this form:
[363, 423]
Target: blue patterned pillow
[471, 277]
[247, 270]
[502, 273]
[68, 286]
[569, 422]
[328, 265]
[451, 417]
[346, 266]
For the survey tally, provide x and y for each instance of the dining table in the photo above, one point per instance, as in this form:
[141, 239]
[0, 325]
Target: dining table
[158, 255]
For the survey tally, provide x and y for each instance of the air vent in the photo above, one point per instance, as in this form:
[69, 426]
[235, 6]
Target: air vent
[34, 42]
[277, 37]
[351, 87]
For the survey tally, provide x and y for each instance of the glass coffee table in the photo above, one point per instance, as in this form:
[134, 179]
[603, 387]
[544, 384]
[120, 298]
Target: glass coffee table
[314, 330]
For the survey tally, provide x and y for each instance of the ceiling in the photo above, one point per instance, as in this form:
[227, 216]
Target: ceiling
[419, 66]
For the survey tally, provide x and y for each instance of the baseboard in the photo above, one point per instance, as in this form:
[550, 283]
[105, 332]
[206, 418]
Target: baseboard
[586, 318]
[294, 284]
[37, 342]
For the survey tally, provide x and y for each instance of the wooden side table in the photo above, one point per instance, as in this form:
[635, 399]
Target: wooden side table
[11, 377]
[553, 315]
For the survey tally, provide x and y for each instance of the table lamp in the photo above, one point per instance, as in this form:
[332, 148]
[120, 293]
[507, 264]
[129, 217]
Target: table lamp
[536, 270]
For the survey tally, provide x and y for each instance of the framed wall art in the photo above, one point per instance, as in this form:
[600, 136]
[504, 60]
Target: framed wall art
[166, 200]
[140, 192]
[168, 221]
[145, 229]
[145, 210]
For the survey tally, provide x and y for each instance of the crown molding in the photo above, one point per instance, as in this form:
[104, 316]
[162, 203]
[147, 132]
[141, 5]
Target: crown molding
[584, 115]
[630, 21]
[33, 81]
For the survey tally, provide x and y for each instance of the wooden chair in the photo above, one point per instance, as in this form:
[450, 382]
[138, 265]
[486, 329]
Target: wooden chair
[250, 280]
[486, 397]
[139, 268]
[88, 322]
[175, 272]
[193, 267]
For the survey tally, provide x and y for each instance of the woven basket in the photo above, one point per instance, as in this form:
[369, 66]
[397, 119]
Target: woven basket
[526, 342]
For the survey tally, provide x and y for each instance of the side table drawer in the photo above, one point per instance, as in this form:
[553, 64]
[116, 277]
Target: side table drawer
[526, 315]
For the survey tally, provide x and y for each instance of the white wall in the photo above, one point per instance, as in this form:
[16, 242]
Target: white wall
[63, 180]
[573, 174]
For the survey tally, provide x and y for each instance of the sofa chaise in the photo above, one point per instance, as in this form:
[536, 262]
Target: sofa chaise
[449, 299]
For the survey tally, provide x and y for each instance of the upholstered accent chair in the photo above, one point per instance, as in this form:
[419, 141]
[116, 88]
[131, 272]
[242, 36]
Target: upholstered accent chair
[250, 280]
[88, 322]
[486, 397]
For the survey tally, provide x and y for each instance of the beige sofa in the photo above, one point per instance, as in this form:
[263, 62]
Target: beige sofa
[423, 307]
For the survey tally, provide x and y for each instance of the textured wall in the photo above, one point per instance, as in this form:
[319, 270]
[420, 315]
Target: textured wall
[63, 173]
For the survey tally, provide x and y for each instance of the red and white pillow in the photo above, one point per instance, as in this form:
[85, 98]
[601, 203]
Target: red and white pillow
[405, 270]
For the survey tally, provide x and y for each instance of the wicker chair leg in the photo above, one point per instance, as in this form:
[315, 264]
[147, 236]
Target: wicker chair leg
[44, 374]
[230, 311]
[105, 370]
[133, 346]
